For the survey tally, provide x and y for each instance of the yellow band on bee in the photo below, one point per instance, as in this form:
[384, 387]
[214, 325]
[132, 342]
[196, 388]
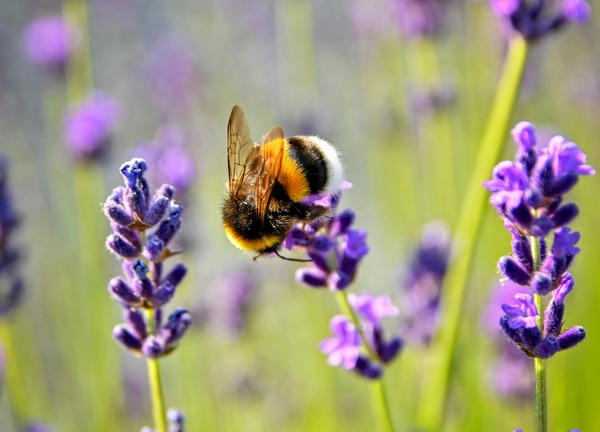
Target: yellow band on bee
[292, 177]
[258, 245]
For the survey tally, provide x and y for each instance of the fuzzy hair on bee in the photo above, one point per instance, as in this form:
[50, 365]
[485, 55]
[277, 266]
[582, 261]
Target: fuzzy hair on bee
[269, 181]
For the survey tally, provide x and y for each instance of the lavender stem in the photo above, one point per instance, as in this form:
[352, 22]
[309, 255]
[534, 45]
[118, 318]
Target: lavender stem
[541, 396]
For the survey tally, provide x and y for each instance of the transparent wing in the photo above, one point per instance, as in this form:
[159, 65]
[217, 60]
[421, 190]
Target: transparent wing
[239, 149]
[270, 159]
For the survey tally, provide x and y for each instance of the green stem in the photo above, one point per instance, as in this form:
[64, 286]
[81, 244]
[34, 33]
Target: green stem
[380, 406]
[541, 395]
[156, 393]
[79, 69]
[13, 375]
[435, 393]
[378, 395]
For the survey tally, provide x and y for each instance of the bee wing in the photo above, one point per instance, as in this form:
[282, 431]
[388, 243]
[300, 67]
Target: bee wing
[271, 158]
[239, 148]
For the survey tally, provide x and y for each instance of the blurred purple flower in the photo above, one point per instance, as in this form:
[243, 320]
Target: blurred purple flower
[236, 291]
[170, 160]
[536, 19]
[88, 127]
[420, 18]
[423, 283]
[48, 41]
[173, 70]
[11, 282]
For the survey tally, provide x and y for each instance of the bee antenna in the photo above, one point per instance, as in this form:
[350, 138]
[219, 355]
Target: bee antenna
[292, 259]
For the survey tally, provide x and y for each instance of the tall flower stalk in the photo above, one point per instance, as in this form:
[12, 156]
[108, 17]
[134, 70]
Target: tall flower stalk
[529, 194]
[146, 287]
[335, 250]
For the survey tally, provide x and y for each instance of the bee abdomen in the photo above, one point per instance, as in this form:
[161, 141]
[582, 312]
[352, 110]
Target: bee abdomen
[313, 167]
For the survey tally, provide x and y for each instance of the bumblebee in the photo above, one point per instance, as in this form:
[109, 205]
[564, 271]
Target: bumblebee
[269, 181]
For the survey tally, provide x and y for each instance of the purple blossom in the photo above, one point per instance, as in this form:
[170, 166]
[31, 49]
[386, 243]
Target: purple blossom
[536, 19]
[565, 287]
[88, 127]
[566, 157]
[167, 155]
[344, 347]
[564, 242]
[48, 41]
[522, 314]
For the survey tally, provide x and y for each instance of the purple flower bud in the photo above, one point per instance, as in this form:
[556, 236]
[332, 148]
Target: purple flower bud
[176, 275]
[388, 352]
[559, 186]
[176, 420]
[122, 292]
[565, 215]
[514, 271]
[154, 248]
[541, 283]
[157, 210]
[522, 251]
[123, 335]
[117, 213]
[119, 246]
[338, 280]
[139, 268]
[524, 132]
[571, 337]
[152, 347]
[136, 321]
[367, 368]
[312, 276]
[553, 318]
[319, 259]
[342, 222]
[175, 327]
[564, 288]
[354, 244]
[296, 237]
[547, 347]
[163, 294]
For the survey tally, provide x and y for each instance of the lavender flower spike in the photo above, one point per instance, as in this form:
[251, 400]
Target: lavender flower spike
[132, 209]
[529, 194]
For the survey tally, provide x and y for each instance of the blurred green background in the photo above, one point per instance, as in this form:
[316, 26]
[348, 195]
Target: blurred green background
[341, 70]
